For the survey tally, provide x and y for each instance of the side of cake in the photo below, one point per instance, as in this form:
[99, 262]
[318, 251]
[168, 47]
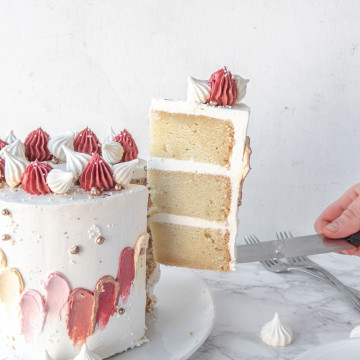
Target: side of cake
[199, 157]
[73, 251]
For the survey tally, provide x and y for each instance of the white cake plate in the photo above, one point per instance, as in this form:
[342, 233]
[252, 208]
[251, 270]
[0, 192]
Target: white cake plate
[181, 320]
[339, 350]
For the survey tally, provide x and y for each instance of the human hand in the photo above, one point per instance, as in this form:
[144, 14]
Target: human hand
[342, 218]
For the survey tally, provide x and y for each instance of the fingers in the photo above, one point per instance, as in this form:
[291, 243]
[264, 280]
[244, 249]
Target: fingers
[336, 209]
[347, 223]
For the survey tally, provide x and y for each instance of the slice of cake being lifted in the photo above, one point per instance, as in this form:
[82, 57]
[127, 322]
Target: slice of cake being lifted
[199, 157]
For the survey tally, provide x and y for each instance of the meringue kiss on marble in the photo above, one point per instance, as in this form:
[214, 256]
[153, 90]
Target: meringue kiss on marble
[275, 333]
[86, 354]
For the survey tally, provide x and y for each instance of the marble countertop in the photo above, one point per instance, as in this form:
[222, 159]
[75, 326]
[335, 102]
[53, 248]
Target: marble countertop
[249, 297]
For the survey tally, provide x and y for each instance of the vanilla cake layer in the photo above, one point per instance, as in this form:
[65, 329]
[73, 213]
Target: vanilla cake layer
[172, 192]
[184, 142]
[41, 231]
[184, 137]
[204, 248]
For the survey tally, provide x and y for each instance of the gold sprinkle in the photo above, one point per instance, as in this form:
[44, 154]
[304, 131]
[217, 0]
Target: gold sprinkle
[213, 103]
[142, 251]
[95, 191]
[5, 212]
[54, 160]
[121, 311]
[75, 250]
[5, 237]
[118, 187]
[100, 240]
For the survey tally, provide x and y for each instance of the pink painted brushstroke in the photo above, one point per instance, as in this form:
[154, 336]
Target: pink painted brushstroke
[57, 290]
[32, 314]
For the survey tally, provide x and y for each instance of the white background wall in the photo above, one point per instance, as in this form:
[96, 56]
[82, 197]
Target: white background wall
[71, 63]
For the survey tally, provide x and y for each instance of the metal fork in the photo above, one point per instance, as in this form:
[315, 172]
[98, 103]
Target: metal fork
[277, 266]
[305, 262]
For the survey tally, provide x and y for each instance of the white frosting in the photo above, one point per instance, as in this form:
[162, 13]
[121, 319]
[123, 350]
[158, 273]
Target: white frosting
[59, 181]
[275, 333]
[239, 116]
[10, 138]
[123, 172]
[110, 136]
[198, 90]
[86, 354]
[140, 170]
[355, 333]
[112, 152]
[46, 356]
[56, 143]
[75, 161]
[188, 221]
[36, 251]
[16, 148]
[241, 85]
[14, 168]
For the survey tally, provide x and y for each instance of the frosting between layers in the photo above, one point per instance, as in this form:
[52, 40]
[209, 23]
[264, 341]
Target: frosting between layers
[239, 116]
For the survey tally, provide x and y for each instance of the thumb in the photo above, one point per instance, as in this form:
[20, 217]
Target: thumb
[347, 223]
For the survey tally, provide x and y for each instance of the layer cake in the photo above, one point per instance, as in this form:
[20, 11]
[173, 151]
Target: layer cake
[199, 157]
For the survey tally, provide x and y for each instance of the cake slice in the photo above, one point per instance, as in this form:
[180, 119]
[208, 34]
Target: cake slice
[195, 173]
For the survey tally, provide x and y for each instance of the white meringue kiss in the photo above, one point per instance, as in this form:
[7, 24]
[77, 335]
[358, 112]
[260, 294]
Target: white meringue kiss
[14, 168]
[17, 148]
[10, 138]
[59, 181]
[355, 333]
[241, 85]
[198, 91]
[56, 143]
[86, 354]
[112, 152]
[123, 172]
[110, 136]
[274, 333]
[75, 161]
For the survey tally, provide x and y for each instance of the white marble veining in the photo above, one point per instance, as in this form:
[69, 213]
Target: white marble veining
[249, 297]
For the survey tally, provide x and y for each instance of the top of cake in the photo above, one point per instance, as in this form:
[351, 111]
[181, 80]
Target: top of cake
[71, 163]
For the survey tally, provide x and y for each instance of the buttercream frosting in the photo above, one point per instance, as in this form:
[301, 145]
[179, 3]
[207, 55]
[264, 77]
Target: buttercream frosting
[32, 314]
[241, 85]
[98, 174]
[36, 145]
[123, 172]
[86, 142]
[14, 168]
[275, 333]
[75, 161]
[86, 354]
[60, 181]
[129, 145]
[3, 144]
[56, 144]
[112, 152]
[33, 180]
